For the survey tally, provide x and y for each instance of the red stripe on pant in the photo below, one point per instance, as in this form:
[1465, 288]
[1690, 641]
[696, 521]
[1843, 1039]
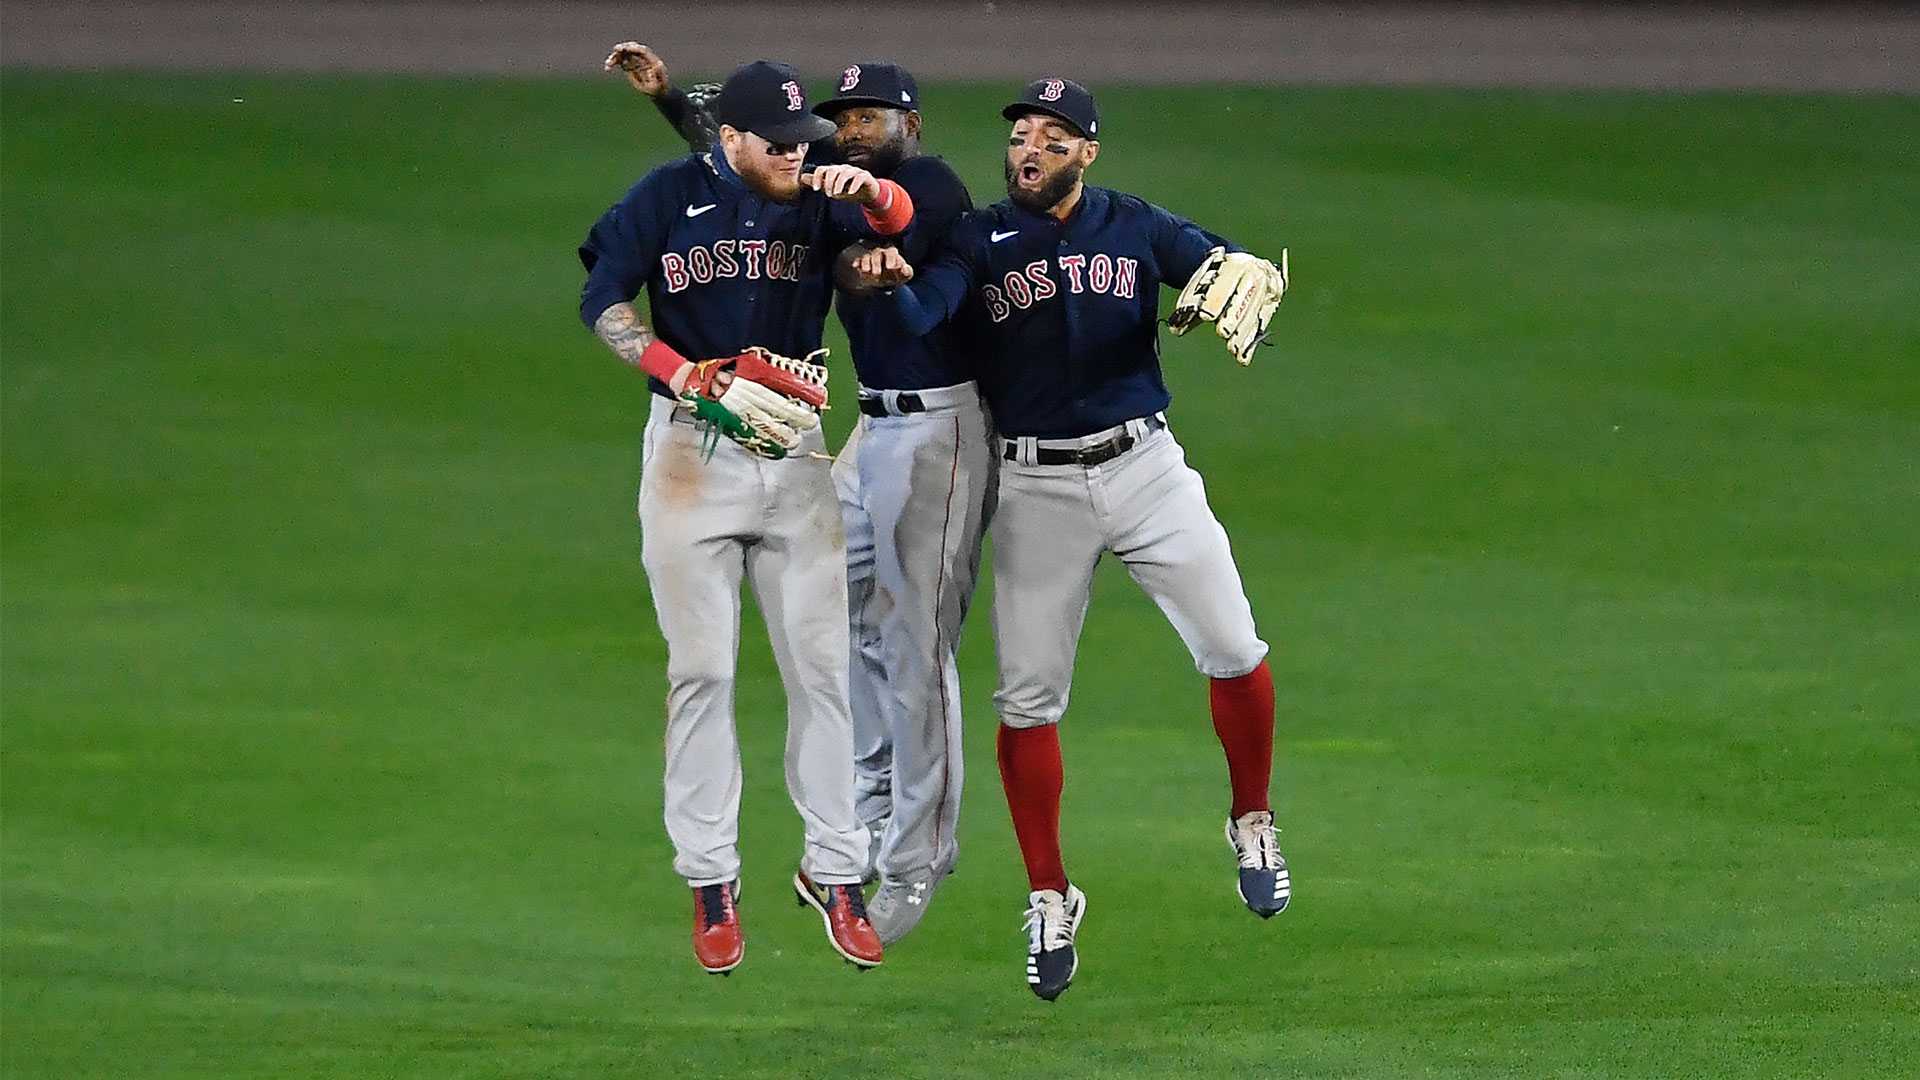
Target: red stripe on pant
[940, 649]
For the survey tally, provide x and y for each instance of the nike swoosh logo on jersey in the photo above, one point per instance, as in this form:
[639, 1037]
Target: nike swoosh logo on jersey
[999, 236]
[696, 211]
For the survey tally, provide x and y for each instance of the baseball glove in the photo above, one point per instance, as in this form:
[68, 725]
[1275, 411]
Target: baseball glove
[697, 125]
[1238, 293]
[770, 402]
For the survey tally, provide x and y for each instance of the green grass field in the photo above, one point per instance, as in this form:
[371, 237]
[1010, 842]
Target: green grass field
[1580, 501]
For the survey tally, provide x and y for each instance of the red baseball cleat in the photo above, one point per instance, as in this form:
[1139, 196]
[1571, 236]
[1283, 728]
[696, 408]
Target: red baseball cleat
[717, 942]
[844, 911]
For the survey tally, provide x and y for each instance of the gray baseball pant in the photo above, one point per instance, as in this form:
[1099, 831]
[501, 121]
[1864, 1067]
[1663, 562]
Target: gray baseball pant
[706, 523]
[1050, 527]
[915, 490]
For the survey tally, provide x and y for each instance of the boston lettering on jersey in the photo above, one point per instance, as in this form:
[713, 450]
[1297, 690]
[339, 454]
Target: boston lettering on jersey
[1033, 283]
[884, 356]
[755, 259]
[723, 267]
[1067, 312]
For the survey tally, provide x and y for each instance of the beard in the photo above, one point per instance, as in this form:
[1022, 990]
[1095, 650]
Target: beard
[1048, 195]
[880, 160]
[770, 184]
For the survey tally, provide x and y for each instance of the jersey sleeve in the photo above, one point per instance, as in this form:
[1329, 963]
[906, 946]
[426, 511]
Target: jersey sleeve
[848, 220]
[622, 250]
[1180, 246]
[691, 119]
[940, 289]
[939, 199]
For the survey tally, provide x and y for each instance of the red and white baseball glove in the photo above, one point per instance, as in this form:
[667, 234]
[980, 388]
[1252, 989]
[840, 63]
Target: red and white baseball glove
[762, 400]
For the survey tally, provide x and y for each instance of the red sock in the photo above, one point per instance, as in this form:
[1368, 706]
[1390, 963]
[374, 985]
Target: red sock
[1031, 773]
[1243, 718]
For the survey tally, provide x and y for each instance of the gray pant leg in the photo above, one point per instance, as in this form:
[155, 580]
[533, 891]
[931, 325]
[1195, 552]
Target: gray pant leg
[867, 675]
[1163, 530]
[1046, 543]
[925, 479]
[691, 514]
[799, 576]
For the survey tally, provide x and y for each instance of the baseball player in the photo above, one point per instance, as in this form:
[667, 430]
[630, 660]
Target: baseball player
[734, 248]
[915, 484]
[1067, 280]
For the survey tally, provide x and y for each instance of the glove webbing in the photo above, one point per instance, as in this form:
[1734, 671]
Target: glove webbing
[808, 370]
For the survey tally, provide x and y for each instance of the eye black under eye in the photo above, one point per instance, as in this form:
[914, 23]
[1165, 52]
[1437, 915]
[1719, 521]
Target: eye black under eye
[1056, 148]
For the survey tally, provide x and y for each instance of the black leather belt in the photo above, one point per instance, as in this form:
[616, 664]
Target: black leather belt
[1087, 456]
[906, 403]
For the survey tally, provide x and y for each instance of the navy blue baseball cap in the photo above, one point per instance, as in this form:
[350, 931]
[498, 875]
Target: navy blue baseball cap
[767, 98]
[1062, 99]
[873, 82]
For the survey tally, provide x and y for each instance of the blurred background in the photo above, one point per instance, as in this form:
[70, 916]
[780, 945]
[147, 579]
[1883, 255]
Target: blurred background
[1645, 45]
[1578, 497]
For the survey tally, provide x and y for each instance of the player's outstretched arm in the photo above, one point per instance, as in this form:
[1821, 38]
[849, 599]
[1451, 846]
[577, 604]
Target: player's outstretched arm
[931, 299]
[643, 67]
[918, 315]
[689, 113]
[885, 205]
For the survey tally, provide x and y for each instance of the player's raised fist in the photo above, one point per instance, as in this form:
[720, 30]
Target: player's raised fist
[643, 67]
[882, 268]
[849, 182]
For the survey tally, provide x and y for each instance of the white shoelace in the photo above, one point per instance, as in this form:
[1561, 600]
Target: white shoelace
[1259, 842]
[1047, 923]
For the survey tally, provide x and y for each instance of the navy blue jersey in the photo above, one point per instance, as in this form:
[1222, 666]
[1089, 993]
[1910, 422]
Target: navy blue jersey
[724, 268]
[884, 354]
[885, 357]
[1066, 312]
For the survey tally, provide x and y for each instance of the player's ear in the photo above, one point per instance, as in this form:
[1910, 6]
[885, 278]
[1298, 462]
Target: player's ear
[912, 124]
[1089, 152]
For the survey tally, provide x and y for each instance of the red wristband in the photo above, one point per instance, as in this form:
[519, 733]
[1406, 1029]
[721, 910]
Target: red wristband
[661, 361]
[894, 212]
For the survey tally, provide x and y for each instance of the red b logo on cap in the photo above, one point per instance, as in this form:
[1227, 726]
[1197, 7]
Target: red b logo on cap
[850, 79]
[794, 101]
[1053, 91]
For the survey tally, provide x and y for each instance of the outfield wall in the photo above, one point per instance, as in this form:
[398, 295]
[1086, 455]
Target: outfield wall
[1648, 46]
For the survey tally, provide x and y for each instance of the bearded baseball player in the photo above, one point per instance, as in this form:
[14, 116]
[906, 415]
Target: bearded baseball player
[1067, 280]
[915, 484]
[735, 248]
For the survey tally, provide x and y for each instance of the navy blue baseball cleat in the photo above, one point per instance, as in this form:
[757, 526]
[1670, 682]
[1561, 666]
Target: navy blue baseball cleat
[1264, 884]
[1052, 920]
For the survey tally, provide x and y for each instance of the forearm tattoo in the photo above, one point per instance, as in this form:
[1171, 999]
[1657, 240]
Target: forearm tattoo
[620, 327]
[691, 114]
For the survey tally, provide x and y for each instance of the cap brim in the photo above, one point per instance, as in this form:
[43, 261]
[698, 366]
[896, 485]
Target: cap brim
[1021, 108]
[828, 108]
[805, 128]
